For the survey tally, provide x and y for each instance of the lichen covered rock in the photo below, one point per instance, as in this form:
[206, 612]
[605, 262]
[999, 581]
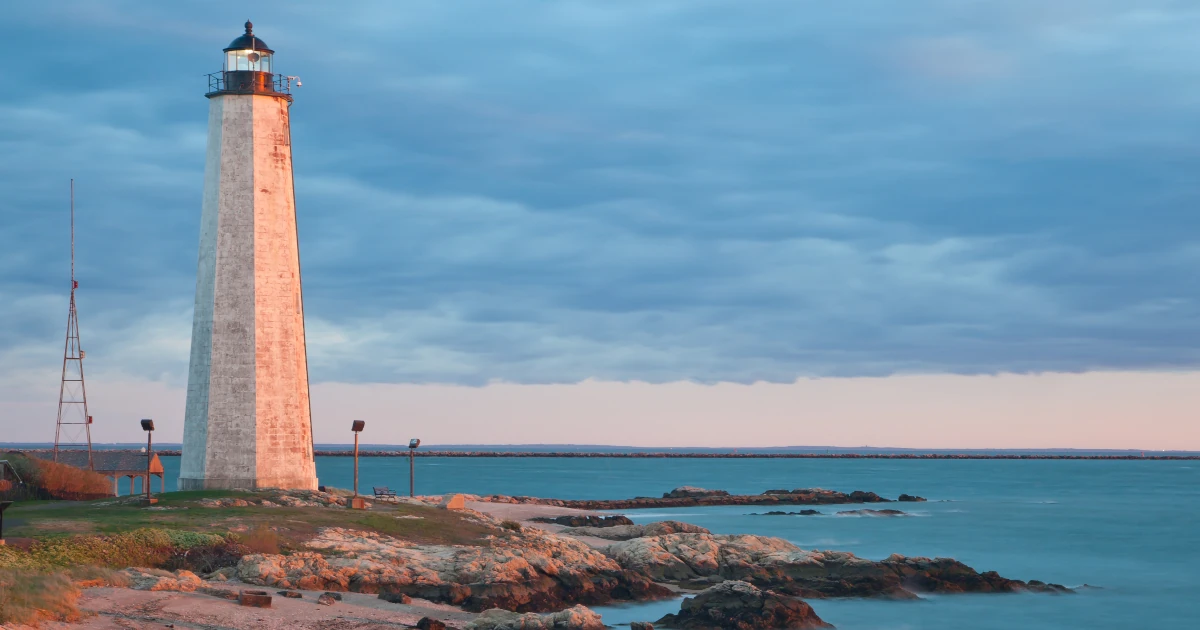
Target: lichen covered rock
[576, 618]
[526, 571]
[158, 580]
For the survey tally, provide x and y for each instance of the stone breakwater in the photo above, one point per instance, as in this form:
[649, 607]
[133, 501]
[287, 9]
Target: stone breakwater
[693, 497]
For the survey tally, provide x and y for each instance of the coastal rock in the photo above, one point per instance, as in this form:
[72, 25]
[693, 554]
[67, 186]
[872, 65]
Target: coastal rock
[859, 496]
[584, 520]
[947, 575]
[781, 513]
[326, 600]
[395, 598]
[576, 618]
[641, 625]
[529, 570]
[742, 606]
[773, 563]
[158, 580]
[910, 498]
[692, 492]
[871, 513]
[429, 623]
[629, 532]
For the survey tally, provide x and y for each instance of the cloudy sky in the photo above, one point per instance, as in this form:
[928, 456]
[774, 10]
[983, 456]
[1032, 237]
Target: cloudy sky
[858, 222]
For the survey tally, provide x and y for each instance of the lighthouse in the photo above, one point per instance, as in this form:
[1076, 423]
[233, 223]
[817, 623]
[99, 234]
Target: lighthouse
[247, 422]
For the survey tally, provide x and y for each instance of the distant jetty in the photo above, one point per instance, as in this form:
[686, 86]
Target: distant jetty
[684, 455]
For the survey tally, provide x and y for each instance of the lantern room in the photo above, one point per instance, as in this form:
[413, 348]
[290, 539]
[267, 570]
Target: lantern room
[248, 53]
[249, 69]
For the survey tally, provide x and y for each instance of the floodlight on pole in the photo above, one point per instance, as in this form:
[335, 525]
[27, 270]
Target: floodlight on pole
[356, 427]
[412, 448]
[148, 427]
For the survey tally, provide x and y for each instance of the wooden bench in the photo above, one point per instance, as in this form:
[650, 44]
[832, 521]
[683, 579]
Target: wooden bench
[384, 494]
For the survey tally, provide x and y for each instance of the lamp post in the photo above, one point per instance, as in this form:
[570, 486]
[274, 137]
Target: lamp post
[357, 428]
[412, 448]
[148, 427]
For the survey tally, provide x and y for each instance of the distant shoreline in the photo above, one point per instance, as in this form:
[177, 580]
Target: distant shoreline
[578, 454]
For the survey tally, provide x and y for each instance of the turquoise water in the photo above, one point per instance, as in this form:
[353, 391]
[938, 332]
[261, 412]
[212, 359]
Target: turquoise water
[1129, 528]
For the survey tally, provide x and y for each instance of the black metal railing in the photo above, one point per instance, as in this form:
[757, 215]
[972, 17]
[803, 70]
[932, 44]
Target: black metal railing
[248, 82]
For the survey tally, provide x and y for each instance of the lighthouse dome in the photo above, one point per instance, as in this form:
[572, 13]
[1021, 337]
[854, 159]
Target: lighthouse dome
[248, 41]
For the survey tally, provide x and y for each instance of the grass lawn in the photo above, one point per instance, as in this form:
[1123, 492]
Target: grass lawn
[48, 519]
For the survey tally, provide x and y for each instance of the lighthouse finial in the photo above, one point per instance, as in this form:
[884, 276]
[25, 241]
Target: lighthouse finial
[249, 28]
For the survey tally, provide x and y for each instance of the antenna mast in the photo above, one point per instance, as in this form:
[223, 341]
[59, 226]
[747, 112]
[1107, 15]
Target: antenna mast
[74, 430]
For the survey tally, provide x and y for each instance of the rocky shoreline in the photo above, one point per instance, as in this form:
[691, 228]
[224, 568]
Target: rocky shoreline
[539, 563]
[525, 569]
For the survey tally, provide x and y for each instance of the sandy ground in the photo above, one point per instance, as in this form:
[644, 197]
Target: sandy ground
[129, 609]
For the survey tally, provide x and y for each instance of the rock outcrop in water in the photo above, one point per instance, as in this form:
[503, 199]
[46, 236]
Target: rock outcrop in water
[529, 571]
[629, 532]
[692, 492]
[584, 520]
[871, 513]
[910, 498]
[741, 606]
[772, 563]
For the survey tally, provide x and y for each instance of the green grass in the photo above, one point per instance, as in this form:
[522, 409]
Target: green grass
[45, 520]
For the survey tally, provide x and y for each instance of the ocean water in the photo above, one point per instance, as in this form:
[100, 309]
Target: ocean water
[1129, 529]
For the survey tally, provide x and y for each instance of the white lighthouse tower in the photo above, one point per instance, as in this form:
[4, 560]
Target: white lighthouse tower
[247, 423]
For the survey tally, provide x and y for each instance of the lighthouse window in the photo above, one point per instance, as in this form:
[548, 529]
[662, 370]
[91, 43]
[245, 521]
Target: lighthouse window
[254, 60]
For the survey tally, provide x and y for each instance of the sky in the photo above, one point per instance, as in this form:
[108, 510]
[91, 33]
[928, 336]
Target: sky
[931, 223]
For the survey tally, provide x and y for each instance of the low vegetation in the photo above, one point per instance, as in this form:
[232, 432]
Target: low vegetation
[56, 547]
[29, 597]
[291, 525]
[139, 548]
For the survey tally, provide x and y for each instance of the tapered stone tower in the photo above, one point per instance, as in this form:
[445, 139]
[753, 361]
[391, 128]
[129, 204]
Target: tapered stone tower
[247, 423]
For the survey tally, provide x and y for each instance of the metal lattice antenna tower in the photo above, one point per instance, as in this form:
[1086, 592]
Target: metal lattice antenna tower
[74, 430]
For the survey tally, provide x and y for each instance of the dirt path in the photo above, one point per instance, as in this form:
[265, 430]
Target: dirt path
[129, 609]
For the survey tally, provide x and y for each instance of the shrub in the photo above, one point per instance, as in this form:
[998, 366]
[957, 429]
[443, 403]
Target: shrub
[29, 598]
[141, 547]
[51, 480]
[207, 558]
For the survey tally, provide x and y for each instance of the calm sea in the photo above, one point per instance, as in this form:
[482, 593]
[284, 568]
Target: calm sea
[1131, 529]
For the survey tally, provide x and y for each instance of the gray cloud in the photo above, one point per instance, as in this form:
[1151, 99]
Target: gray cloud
[715, 191]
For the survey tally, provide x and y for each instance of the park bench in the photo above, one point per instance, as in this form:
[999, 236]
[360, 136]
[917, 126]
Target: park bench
[384, 494]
